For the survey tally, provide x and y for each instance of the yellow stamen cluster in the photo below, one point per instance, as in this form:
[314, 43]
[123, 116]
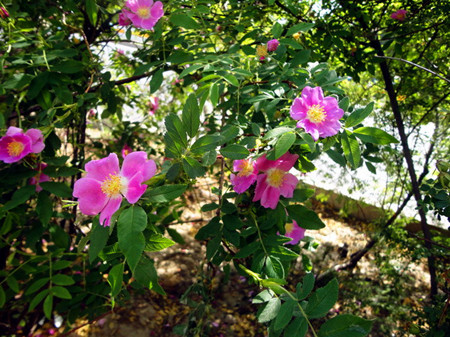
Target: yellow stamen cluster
[289, 227]
[316, 113]
[143, 12]
[246, 168]
[15, 148]
[275, 177]
[112, 185]
[296, 35]
[261, 51]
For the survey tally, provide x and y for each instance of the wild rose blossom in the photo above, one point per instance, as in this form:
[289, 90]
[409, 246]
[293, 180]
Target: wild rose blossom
[142, 13]
[104, 185]
[295, 232]
[123, 18]
[16, 144]
[399, 15]
[275, 179]
[246, 175]
[319, 116]
[39, 177]
[4, 13]
[126, 150]
[261, 52]
[153, 104]
[272, 45]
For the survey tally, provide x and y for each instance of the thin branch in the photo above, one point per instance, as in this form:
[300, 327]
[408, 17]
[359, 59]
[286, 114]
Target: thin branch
[413, 64]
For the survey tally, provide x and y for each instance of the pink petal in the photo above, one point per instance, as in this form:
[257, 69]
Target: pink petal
[37, 140]
[312, 96]
[286, 161]
[299, 109]
[12, 130]
[111, 207]
[157, 12]
[242, 184]
[260, 186]
[132, 4]
[90, 196]
[136, 162]
[101, 169]
[270, 197]
[6, 140]
[331, 106]
[289, 183]
[310, 128]
[264, 164]
[135, 188]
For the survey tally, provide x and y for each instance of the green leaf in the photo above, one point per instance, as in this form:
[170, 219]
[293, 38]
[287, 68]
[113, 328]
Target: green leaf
[156, 242]
[193, 168]
[344, 103]
[301, 57]
[91, 10]
[165, 193]
[303, 290]
[283, 144]
[130, 225]
[214, 94]
[12, 283]
[205, 143]
[61, 264]
[176, 130]
[231, 79]
[336, 157]
[37, 299]
[297, 328]
[19, 197]
[209, 230]
[48, 306]
[305, 217]
[248, 250]
[62, 280]
[277, 132]
[374, 136]
[345, 326]
[277, 29]
[359, 115]
[145, 274]
[351, 149]
[59, 189]
[285, 314]
[185, 21]
[38, 284]
[235, 151]
[61, 292]
[190, 70]
[191, 115]
[156, 80]
[69, 67]
[270, 310]
[322, 300]
[44, 208]
[115, 278]
[175, 236]
[301, 27]
[263, 297]
[98, 238]
[213, 246]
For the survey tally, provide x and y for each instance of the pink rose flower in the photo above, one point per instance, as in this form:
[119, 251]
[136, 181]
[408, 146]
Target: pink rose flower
[275, 179]
[124, 20]
[16, 144]
[39, 177]
[143, 13]
[104, 185]
[272, 45]
[319, 116]
[153, 104]
[4, 13]
[246, 175]
[399, 15]
[126, 150]
[295, 232]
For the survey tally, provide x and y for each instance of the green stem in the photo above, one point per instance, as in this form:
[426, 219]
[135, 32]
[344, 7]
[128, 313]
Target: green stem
[301, 310]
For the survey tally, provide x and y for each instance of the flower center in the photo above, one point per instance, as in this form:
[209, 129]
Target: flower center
[261, 51]
[275, 177]
[289, 227]
[316, 113]
[112, 185]
[246, 168]
[15, 148]
[143, 12]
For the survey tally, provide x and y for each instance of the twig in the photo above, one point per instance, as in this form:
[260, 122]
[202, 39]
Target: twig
[414, 64]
